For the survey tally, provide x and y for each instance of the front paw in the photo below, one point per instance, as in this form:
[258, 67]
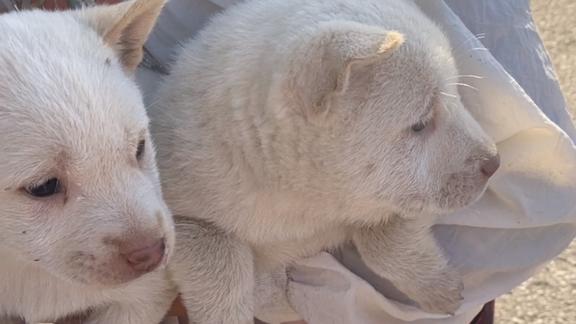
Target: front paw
[439, 294]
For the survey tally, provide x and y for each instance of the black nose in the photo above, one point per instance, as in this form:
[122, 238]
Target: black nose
[489, 167]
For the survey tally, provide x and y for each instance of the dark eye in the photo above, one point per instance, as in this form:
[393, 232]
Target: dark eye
[46, 189]
[140, 149]
[420, 126]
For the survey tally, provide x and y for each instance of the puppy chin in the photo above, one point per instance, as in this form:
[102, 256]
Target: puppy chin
[462, 201]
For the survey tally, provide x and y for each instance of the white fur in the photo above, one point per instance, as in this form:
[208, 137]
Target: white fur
[69, 110]
[288, 125]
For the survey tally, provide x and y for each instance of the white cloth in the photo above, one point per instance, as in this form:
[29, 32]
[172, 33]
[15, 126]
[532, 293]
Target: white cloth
[527, 216]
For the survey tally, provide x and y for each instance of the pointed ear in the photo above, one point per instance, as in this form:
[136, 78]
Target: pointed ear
[325, 62]
[124, 27]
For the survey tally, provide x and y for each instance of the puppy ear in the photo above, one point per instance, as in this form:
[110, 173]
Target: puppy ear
[124, 27]
[325, 62]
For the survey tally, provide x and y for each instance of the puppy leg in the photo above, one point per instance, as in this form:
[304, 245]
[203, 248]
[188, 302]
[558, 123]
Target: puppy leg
[215, 274]
[143, 302]
[406, 253]
[272, 304]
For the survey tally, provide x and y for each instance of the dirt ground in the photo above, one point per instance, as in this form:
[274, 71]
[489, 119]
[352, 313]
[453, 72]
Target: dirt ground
[550, 297]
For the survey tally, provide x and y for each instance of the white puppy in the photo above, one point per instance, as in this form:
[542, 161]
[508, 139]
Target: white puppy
[82, 222]
[299, 125]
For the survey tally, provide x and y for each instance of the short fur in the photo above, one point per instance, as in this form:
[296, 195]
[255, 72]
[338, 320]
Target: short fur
[70, 110]
[295, 127]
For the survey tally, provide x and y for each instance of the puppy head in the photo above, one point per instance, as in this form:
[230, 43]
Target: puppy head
[79, 189]
[390, 126]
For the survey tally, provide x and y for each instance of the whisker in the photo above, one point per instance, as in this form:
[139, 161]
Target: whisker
[460, 49]
[474, 36]
[472, 76]
[448, 95]
[476, 49]
[471, 38]
[464, 85]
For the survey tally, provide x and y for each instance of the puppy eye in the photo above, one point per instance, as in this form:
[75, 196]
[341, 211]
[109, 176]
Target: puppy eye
[46, 189]
[420, 126]
[140, 149]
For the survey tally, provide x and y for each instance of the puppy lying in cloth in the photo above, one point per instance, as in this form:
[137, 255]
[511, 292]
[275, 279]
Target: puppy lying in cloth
[298, 126]
[525, 218]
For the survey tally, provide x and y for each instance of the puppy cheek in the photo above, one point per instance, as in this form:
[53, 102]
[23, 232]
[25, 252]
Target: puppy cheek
[90, 269]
